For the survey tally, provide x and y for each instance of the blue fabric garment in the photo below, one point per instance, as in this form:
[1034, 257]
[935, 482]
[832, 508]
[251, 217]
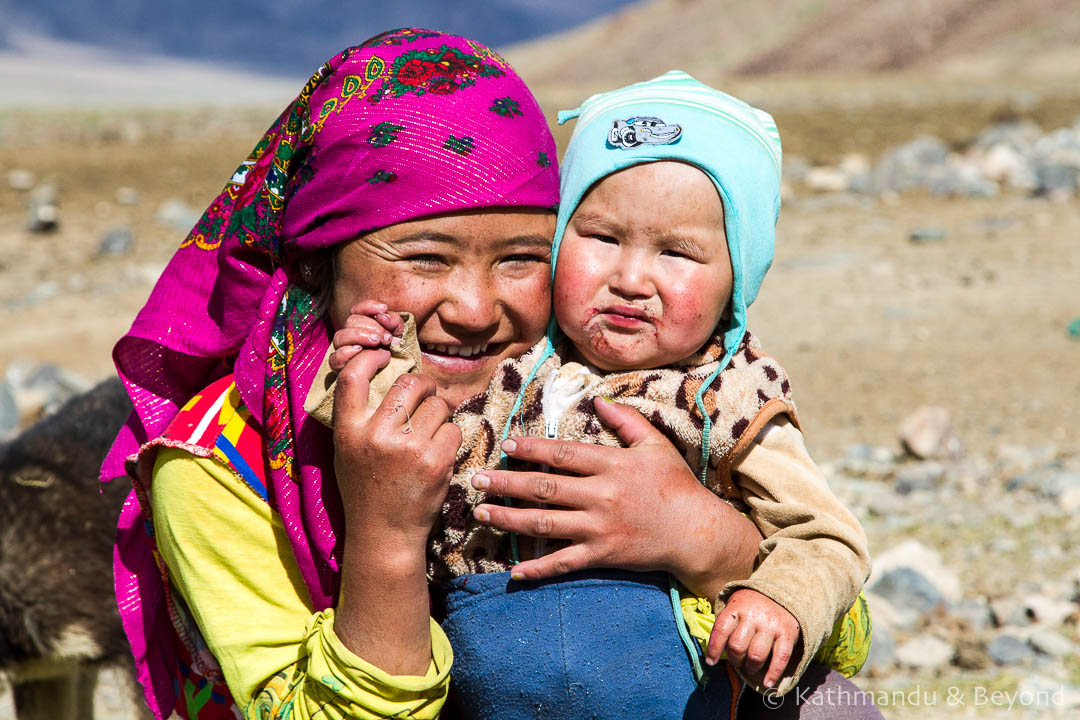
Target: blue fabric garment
[597, 645]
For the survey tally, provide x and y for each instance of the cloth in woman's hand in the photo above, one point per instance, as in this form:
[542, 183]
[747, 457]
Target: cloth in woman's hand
[404, 358]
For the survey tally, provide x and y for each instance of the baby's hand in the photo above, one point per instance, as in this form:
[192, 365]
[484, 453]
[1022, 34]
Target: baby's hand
[751, 628]
[369, 325]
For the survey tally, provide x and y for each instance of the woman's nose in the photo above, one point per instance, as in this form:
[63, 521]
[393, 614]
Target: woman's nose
[631, 276]
[471, 304]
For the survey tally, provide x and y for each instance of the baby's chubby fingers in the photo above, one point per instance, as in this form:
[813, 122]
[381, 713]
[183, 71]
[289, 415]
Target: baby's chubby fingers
[722, 629]
[385, 317]
[782, 651]
[758, 651]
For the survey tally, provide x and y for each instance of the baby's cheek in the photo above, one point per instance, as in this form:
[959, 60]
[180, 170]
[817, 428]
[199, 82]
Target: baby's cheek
[688, 319]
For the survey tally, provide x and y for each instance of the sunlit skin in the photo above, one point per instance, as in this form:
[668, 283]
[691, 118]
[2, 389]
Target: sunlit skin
[643, 274]
[470, 279]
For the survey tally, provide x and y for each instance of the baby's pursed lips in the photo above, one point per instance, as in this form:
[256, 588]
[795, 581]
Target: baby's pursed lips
[627, 311]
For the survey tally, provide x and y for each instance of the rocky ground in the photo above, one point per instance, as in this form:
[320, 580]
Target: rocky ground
[932, 285]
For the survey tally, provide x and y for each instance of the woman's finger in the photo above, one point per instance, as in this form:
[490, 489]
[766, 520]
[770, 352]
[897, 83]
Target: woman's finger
[404, 397]
[535, 522]
[429, 416]
[630, 425]
[782, 650]
[532, 486]
[353, 383]
[565, 560]
[568, 455]
[759, 650]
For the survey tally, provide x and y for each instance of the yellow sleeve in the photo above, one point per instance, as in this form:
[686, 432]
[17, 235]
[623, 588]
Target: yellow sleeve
[231, 561]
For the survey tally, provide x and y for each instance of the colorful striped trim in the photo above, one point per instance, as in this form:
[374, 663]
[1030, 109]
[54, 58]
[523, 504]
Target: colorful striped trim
[216, 422]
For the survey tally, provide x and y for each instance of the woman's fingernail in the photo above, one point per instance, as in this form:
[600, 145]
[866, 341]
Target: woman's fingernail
[509, 446]
[710, 661]
[481, 482]
[381, 306]
[516, 576]
[386, 337]
[481, 514]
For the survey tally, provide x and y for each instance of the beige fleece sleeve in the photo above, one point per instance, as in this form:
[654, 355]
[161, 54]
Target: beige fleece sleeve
[814, 558]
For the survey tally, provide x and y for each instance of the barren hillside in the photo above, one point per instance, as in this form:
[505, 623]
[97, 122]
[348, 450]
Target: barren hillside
[713, 38]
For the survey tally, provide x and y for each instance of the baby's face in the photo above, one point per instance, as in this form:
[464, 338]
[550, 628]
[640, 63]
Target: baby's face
[643, 273]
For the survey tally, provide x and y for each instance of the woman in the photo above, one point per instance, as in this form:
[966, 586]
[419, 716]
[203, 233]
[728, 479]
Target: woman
[419, 170]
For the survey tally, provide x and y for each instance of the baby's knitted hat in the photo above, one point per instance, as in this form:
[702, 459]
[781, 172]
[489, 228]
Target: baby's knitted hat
[675, 117]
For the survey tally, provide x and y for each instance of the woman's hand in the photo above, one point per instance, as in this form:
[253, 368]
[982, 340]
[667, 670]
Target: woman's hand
[393, 462]
[634, 508]
[393, 465]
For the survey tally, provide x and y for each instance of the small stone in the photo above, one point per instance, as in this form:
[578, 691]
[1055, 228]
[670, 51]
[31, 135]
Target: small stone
[43, 219]
[925, 653]
[927, 434]
[971, 654]
[1052, 643]
[1009, 650]
[117, 241]
[918, 476]
[1069, 500]
[1047, 611]
[914, 555]
[177, 214]
[860, 452]
[1007, 611]
[911, 594]
[927, 235]
[974, 614]
[127, 196]
[1051, 178]
[20, 179]
[907, 166]
[826, 179]
[882, 656]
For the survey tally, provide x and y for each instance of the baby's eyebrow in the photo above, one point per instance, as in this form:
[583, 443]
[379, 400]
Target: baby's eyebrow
[682, 244]
[589, 217]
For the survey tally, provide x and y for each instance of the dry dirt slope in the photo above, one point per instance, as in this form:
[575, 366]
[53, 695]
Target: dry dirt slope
[713, 38]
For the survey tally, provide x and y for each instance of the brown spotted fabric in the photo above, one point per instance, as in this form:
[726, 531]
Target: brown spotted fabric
[745, 395]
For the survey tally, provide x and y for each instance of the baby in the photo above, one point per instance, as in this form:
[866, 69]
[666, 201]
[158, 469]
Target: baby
[670, 195]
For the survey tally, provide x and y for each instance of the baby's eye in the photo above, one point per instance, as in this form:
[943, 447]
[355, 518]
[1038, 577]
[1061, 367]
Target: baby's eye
[674, 253]
[606, 239]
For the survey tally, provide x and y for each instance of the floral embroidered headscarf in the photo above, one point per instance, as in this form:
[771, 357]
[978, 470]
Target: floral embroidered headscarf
[409, 124]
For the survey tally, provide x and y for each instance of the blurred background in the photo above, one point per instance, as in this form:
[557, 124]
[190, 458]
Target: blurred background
[925, 296]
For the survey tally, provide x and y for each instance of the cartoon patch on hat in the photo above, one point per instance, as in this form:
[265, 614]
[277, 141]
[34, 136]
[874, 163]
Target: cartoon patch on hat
[642, 130]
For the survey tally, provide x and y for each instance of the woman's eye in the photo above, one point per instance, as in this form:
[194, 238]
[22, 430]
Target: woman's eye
[527, 258]
[428, 261]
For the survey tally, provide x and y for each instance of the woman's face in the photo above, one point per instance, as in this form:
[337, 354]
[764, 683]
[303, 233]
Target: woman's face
[476, 281]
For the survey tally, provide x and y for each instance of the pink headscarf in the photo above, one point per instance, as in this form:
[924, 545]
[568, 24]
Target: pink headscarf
[411, 123]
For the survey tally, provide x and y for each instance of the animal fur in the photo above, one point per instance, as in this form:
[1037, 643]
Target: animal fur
[58, 619]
